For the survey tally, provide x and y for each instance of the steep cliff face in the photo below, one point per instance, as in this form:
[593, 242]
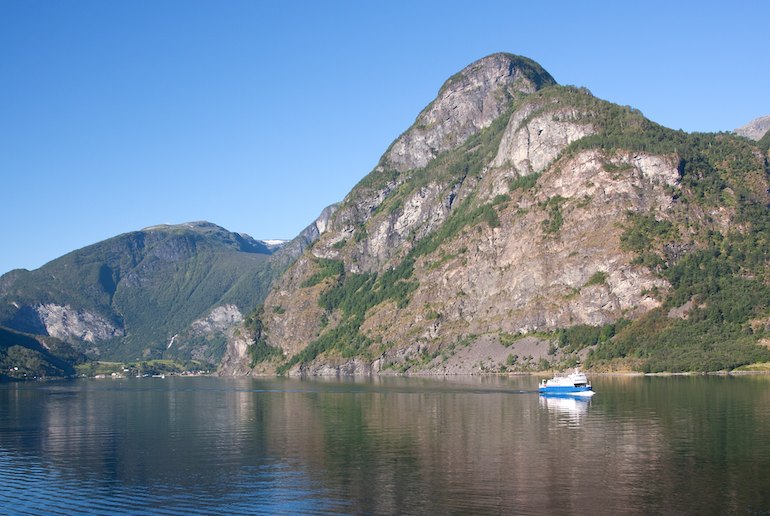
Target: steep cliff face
[527, 275]
[468, 102]
[516, 225]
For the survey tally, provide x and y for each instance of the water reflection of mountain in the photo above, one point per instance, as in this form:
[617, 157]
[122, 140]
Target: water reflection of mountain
[406, 445]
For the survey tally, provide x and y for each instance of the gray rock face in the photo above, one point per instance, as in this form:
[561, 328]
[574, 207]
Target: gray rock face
[755, 129]
[291, 250]
[318, 227]
[425, 210]
[421, 213]
[518, 278]
[236, 359]
[468, 102]
[65, 323]
[335, 368]
[220, 319]
[199, 340]
[530, 144]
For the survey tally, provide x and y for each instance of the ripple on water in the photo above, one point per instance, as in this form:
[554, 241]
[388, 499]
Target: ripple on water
[214, 446]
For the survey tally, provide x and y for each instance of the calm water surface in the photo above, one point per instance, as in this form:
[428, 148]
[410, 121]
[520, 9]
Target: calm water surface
[686, 445]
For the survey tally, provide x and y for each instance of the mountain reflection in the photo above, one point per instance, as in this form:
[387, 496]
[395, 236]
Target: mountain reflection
[393, 445]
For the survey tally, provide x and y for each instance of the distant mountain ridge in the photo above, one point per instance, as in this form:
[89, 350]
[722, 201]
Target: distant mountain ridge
[170, 291]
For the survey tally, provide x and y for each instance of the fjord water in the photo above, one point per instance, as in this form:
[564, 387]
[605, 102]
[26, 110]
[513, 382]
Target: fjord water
[692, 445]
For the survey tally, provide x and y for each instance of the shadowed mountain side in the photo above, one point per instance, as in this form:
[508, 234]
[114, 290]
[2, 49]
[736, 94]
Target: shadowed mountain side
[26, 357]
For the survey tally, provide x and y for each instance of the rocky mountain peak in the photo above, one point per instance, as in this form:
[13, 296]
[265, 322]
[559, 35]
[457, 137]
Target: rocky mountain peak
[468, 101]
[519, 227]
[755, 129]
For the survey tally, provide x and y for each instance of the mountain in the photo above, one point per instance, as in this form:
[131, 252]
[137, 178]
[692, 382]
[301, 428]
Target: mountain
[755, 129]
[521, 225]
[167, 291]
[24, 357]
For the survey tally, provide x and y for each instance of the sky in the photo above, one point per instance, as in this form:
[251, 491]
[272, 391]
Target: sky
[255, 115]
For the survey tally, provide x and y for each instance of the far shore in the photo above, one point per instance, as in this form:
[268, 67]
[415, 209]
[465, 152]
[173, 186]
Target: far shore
[517, 373]
[748, 372]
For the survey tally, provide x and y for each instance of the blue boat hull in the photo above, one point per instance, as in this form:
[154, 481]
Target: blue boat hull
[566, 391]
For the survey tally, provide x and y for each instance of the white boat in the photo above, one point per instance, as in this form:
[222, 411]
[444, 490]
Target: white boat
[572, 384]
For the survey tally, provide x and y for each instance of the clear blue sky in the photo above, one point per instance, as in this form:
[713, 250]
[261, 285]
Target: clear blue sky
[255, 115]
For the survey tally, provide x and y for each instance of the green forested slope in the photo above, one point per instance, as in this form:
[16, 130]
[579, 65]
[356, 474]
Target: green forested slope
[144, 287]
[25, 357]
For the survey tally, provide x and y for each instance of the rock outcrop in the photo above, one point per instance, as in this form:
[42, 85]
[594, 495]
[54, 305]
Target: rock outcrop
[755, 129]
[219, 319]
[65, 323]
[468, 102]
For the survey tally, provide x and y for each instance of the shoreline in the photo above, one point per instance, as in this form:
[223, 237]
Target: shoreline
[759, 372]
